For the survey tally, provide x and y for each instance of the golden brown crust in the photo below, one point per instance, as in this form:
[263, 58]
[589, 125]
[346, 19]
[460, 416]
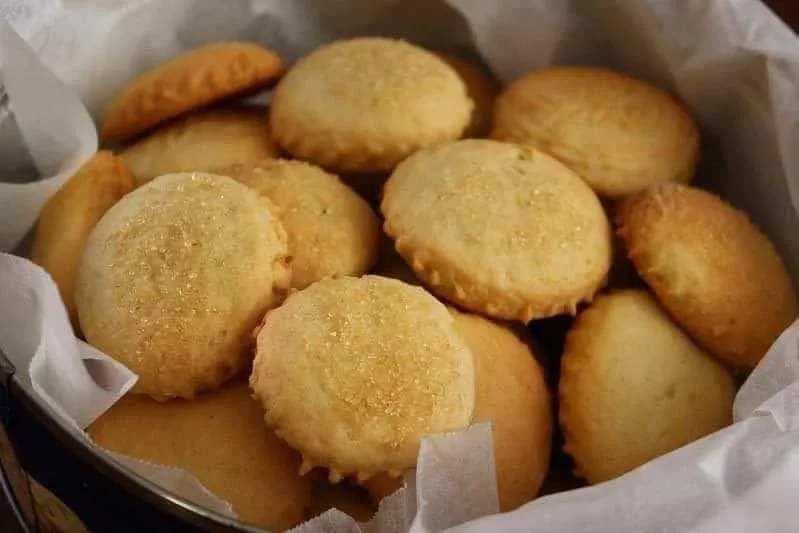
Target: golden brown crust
[331, 230]
[633, 387]
[619, 133]
[499, 229]
[364, 104]
[352, 372]
[220, 438]
[69, 216]
[189, 81]
[511, 392]
[204, 141]
[175, 277]
[482, 89]
[711, 268]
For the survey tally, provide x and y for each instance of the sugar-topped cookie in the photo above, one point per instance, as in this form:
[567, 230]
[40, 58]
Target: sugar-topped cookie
[498, 228]
[175, 277]
[353, 372]
[364, 104]
[617, 132]
[711, 268]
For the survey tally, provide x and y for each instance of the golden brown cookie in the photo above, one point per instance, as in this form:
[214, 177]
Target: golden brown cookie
[70, 214]
[498, 228]
[353, 372]
[204, 141]
[711, 268]
[175, 277]
[633, 387]
[220, 438]
[331, 230]
[482, 89]
[364, 104]
[189, 81]
[512, 393]
[619, 133]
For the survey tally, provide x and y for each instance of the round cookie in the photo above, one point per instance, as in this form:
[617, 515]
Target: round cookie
[364, 104]
[482, 90]
[189, 81]
[498, 228]
[353, 372]
[511, 392]
[619, 133]
[175, 277]
[204, 141]
[220, 438]
[69, 216]
[711, 268]
[633, 387]
[331, 230]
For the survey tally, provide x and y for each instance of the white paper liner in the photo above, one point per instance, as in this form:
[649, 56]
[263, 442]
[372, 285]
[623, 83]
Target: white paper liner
[732, 61]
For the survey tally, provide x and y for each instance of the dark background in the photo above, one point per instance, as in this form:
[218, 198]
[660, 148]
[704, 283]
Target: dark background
[787, 9]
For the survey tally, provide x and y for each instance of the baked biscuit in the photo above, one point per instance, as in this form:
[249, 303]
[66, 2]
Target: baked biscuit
[711, 268]
[498, 228]
[70, 214]
[204, 141]
[364, 104]
[511, 392]
[482, 90]
[220, 438]
[353, 372]
[175, 277]
[189, 81]
[619, 133]
[331, 230]
[633, 387]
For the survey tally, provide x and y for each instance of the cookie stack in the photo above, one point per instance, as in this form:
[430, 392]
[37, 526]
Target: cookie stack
[226, 240]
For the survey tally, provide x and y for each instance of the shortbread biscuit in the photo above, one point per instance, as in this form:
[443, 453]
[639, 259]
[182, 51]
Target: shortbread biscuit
[70, 214]
[175, 277]
[619, 133]
[633, 387]
[331, 230]
[482, 90]
[353, 372]
[711, 268]
[202, 142]
[220, 438]
[511, 392]
[364, 104]
[189, 81]
[498, 228]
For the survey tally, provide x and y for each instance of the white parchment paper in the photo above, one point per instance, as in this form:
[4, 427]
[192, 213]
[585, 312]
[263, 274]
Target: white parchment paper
[734, 64]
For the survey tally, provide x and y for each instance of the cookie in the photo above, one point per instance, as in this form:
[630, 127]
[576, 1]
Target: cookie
[717, 275]
[364, 104]
[175, 277]
[204, 141]
[482, 89]
[331, 230]
[353, 372]
[511, 392]
[189, 81]
[498, 228]
[619, 133]
[220, 438]
[633, 387]
[70, 214]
